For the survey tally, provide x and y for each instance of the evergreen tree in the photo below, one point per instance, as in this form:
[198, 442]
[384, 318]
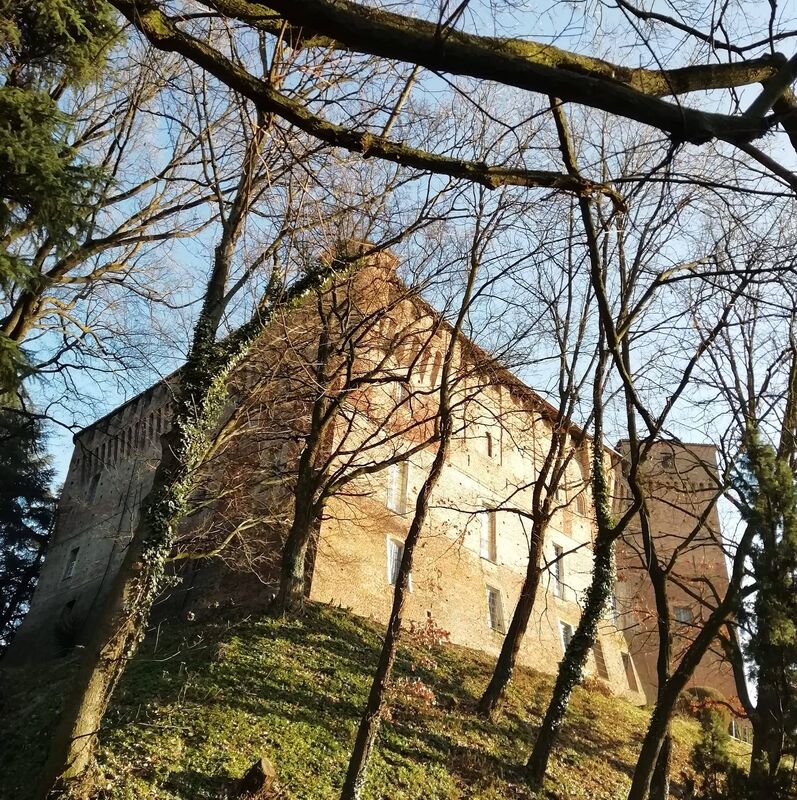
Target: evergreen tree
[767, 483]
[717, 776]
[46, 46]
[26, 514]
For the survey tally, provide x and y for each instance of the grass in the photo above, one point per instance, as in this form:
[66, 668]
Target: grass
[200, 702]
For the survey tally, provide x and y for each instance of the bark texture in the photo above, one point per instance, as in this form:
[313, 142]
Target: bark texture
[491, 699]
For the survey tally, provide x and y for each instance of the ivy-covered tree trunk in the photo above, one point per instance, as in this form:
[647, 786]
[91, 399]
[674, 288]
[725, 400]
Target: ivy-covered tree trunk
[493, 695]
[202, 398]
[571, 670]
[113, 642]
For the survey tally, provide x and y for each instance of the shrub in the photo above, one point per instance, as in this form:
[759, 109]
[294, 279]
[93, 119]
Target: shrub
[716, 775]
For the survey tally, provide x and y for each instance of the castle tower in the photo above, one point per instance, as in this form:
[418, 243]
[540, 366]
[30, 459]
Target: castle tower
[682, 484]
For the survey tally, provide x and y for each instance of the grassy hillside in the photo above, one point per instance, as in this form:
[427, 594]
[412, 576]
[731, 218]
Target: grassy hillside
[201, 701]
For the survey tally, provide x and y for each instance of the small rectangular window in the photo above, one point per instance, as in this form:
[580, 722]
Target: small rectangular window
[490, 450]
[566, 631]
[395, 553]
[398, 475]
[91, 493]
[488, 544]
[495, 610]
[628, 664]
[683, 614]
[423, 363]
[615, 608]
[400, 393]
[600, 662]
[69, 570]
[436, 366]
[558, 568]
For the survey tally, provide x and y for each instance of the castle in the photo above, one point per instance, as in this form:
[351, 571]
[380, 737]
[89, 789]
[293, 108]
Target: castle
[379, 373]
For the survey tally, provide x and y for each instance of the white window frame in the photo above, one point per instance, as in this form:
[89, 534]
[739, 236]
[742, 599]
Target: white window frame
[564, 639]
[397, 485]
[499, 624]
[558, 571]
[401, 394]
[488, 536]
[397, 545]
[630, 672]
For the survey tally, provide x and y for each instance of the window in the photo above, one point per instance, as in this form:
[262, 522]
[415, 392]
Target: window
[581, 503]
[436, 365]
[566, 630]
[495, 610]
[489, 438]
[395, 552]
[683, 614]
[488, 541]
[397, 487]
[667, 460]
[615, 607]
[423, 363]
[138, 439]
[600, 662]
[558, 569]
[400, 393]
[628, 664]
[69, 570]
[91, 494]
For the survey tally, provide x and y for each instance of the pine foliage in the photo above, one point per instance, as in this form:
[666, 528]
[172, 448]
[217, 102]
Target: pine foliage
[46, 189]
[26, 514]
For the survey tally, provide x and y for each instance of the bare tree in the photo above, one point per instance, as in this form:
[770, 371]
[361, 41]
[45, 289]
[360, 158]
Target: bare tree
[442, 45]
[368, 729]
[565, 319]
[616, 332]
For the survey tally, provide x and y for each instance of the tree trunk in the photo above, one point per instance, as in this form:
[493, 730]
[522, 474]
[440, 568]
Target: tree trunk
[493, 695]
[371, 719]
[291, 594]
[768, 739]
[671, 690]
[113, 642]
[136, 585]
[660, 783]
[571, 670]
